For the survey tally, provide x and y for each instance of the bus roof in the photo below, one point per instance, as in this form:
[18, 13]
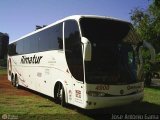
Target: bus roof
[74, 17]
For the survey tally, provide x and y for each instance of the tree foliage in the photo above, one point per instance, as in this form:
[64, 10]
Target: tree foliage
[4, 40]
[147, 23]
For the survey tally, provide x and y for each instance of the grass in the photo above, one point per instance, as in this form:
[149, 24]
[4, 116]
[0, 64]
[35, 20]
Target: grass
[152, 95]
[39, 107]
[35, 107]
[3, 70]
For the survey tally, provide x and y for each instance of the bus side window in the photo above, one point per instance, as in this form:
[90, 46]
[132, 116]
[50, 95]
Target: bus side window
[56, 41]
[12, 49]
[51, 38]
[26, 45]
[73, 49]
[33, 43]
[19, 48]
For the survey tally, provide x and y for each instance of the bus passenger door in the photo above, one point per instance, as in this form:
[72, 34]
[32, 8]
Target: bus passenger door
[74, 58]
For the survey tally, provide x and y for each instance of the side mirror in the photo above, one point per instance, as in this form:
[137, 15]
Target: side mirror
[87, 49]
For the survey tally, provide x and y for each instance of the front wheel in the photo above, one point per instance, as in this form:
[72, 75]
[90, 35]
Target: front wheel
[60, 95]
[63, 100]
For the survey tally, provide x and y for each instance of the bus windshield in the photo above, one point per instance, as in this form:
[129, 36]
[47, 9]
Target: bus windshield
[113, 55]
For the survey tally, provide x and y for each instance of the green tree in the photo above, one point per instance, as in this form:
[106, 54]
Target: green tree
[4, 40]
[147, 23]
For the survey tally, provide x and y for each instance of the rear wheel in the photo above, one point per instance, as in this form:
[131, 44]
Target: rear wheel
[12, 79]
[16, 82]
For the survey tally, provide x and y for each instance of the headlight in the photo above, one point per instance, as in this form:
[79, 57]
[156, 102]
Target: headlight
[96, 94]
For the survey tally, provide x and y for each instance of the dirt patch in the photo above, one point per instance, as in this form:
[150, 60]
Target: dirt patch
[7, 88]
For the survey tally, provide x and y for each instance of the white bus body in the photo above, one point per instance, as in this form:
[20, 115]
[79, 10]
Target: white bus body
[70, 61]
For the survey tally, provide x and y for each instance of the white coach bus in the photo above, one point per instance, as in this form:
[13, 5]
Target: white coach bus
[87, 61]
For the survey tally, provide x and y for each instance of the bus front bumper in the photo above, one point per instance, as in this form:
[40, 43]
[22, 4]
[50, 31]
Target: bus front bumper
[104, 102]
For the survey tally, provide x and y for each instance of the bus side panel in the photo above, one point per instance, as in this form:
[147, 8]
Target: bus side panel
[41, 71]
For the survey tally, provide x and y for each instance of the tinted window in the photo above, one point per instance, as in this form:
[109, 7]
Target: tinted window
[56, 37]
[19, 47]
[73, 49]
[33, 43]
[48, 39]
[26, 46]
[113, 55]
[51, 38]
[43, 42]
[12, 49]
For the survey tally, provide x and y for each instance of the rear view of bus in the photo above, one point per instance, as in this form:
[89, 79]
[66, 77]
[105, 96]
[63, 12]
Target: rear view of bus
[113, 69]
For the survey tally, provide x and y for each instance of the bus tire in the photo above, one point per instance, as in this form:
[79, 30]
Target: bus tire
[16, 82]
[63, 100]
[60, 94]
[12, 77]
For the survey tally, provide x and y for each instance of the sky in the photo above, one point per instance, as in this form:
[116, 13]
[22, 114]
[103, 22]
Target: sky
[19, 17]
